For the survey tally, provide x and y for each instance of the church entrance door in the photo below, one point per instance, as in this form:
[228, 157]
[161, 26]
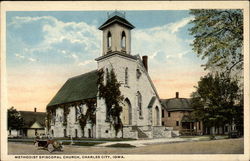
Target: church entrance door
[126, 115]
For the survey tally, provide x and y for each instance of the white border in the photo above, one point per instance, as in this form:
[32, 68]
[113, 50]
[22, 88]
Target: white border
[128, 5]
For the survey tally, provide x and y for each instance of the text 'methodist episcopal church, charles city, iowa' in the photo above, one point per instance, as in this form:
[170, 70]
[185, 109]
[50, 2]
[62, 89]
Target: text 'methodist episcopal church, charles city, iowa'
[141, 107]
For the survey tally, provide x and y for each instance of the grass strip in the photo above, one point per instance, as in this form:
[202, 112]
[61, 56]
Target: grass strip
[121, 145]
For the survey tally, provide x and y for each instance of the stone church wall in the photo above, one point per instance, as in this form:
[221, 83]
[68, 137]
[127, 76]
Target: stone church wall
[160, 132]
[73, 127]
[129, 91]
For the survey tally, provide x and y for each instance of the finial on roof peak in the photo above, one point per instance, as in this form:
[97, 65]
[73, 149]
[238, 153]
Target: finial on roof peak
[116, 13]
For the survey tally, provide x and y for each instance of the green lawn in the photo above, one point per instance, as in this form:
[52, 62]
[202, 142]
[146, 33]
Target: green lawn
[119, 145]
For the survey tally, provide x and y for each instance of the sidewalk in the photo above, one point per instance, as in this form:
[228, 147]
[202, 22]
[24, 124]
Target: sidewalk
[140, 143]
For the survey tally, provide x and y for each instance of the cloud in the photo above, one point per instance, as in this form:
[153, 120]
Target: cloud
[162, 42]
[174, 27]
[86, 62]
[32, 59]
[74, 45]
[26, 58]
[67, 41]
[152, 56]
[19, 56]
[178, 55]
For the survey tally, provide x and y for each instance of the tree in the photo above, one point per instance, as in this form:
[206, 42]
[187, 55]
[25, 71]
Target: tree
[218, 37]
[15, 120]
[112, 96]
[217, 101]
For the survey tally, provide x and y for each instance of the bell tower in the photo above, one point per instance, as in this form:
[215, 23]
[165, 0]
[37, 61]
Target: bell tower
[116, 34]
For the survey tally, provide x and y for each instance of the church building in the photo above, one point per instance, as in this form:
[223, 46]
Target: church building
[141, 107]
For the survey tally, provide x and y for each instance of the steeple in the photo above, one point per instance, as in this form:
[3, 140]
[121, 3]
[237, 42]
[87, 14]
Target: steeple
[116, 34]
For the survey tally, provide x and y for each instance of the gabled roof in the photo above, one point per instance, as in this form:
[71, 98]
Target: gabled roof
[116, 53]
[177, 104]
[31, 117]
[116, 19]
[76, 89]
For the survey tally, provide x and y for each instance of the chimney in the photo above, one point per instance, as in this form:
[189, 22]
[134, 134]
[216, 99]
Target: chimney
[177, 95]
[145, 62]
[34, 109]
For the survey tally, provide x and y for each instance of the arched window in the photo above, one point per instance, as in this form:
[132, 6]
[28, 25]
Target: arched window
[157, 116]
[126, 76]
[52, 133]
[139, 103]
[109, 40]
[123, 40]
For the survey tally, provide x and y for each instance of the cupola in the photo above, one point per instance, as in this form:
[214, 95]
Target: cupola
[116, 34]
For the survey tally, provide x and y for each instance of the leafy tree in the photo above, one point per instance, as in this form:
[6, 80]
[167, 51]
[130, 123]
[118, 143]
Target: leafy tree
[113, 98]
[217, 101]
[15, 120]
[218, 37]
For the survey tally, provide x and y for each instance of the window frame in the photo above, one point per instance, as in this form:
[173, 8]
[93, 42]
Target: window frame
[126, 77]
[139, 103]
[109, 40]
[123, 40]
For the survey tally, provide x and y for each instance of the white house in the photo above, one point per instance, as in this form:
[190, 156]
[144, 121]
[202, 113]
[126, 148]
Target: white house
[141, 115]
[34, 124]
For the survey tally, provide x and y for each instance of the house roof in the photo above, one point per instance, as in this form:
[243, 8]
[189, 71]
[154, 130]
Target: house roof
[177, 104]
[31, 117]
[77, 88]
[116, 19]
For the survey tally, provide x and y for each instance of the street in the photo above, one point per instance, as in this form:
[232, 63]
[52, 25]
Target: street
[225, 146]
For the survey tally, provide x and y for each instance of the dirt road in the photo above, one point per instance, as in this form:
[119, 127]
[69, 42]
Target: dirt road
[227, 146]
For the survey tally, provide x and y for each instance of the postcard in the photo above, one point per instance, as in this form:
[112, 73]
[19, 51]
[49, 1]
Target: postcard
[125, 80]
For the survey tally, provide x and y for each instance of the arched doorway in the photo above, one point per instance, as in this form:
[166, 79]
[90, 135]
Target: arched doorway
[126, 115]
[157, 116]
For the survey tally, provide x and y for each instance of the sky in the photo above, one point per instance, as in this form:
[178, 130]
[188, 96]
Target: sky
[45, 48]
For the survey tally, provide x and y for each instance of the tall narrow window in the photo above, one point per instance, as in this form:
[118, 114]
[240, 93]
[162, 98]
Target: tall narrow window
[65, 133]
[162, 113]
[123, 40]
[157, 116]
[126, 76]
[76, 113]
[53, 112]
[76, 133]
[139, 102]
[109, 40]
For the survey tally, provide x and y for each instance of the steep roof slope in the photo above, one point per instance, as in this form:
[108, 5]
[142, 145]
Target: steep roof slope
[31, 117]
[77, 88]
[116, 19]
